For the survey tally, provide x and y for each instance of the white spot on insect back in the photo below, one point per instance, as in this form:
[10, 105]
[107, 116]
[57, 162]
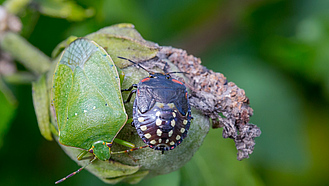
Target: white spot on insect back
[171, 105]
[178, 137]
[185, 122]
[158, 122]
[143, 128]
[153, 142]
[172, 123]
[172, 143]
[167, 140]
[159, 132]
[170, 133]
[148, 135]
[174, 114]
[140, 119]
[160, 140]
[160, 105]
[182, 130]
[158, 113]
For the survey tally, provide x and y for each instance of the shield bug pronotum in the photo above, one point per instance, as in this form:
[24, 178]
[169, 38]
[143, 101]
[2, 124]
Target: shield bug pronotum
[87, 98]
[161, 110]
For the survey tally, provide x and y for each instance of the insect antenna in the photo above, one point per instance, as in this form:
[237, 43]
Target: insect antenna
[144, 68]
[133, 63]
[75, 172]
[177, 73]
[166, 69]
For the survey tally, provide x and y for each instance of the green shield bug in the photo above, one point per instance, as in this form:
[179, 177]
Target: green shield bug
[87, 98]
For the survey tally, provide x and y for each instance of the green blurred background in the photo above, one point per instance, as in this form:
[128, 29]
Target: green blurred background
[276, 50]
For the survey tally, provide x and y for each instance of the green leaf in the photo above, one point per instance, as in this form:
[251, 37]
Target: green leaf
[24, 52]
[65, 9]
[41, 106]
[123, 40]
[118, 40]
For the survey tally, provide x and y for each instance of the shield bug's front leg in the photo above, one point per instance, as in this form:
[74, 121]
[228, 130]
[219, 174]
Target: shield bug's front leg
[130, 150]
[131, 92]
[131, 121]
[130, 88]
[127, 144]
[81, 156]
[130, 95]
[124, 143]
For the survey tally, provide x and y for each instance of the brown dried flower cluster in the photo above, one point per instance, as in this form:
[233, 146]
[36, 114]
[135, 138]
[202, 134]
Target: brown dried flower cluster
[224, 102]
[9, 22]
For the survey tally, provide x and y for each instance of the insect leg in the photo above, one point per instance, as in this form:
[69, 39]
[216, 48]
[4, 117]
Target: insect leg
[130, 150]
[129, 89]
[129, 97]
[124, 143]
[131, 93]
[82, 154]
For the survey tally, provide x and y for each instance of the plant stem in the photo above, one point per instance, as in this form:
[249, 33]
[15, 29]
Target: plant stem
[19, 78]
[28, 55]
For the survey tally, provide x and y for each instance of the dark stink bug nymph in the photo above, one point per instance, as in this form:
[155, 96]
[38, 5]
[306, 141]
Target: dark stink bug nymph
[161, 110]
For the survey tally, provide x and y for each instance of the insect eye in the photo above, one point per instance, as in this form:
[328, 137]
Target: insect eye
[167, 76]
